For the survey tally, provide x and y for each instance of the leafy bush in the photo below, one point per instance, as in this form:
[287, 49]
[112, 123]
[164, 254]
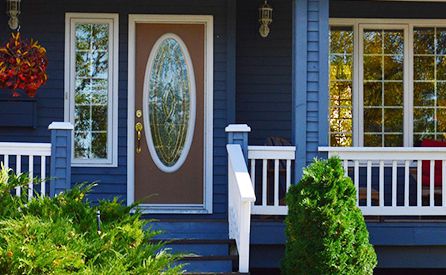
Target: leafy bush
[60, 235]
[326, 232]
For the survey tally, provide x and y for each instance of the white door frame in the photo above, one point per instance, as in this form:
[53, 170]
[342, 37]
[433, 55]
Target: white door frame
[207, 21]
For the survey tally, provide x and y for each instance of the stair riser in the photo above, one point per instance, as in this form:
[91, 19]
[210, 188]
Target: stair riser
[207, 266]
[200, 249]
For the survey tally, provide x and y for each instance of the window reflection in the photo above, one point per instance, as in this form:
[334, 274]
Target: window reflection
[341, 68]
[91, 90]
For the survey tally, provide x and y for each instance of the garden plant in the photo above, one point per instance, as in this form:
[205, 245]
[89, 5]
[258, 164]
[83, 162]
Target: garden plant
[325, 230]
[60, 235]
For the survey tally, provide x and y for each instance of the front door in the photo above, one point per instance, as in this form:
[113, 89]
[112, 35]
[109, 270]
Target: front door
[170, 125]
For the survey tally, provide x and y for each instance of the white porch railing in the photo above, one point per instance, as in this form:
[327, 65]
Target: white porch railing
[240, 196]
[396, 181]
[273, 177]
[14, 155]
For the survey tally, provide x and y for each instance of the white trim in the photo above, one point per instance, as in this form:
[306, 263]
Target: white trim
[60, 126]
[112, 124]
[206, 20]
[358, 24]
[192, 104]
[231, 128]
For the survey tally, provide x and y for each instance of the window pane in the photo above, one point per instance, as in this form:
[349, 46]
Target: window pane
[373, 120]
[429, 95]
[341, 81]
[373, 94]
[383, 89]
[393, 120]
[393, 95]
[373, 42]
[372, 140]
[424, 38]
[341, 40]
[91, 90]
[424, 67]
[423, 93]
[373, 67]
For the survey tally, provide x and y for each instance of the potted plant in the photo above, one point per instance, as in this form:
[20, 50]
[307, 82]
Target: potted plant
[23, 64]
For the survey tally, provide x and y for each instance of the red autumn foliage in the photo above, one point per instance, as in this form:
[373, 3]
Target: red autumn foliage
[23, 65]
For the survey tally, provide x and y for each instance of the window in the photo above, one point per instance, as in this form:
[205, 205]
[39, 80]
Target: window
[91, 87]
[387, 82]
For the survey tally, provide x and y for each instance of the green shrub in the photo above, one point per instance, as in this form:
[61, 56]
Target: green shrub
[60, 235]
[326, 232]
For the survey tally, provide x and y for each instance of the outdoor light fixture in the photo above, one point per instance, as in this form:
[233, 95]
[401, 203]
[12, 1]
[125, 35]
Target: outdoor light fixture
[13, 11]
[265, 18]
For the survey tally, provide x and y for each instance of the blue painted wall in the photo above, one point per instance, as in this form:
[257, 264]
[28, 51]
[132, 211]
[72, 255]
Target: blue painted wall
[310, 79]
[264, 71]
[44, 20]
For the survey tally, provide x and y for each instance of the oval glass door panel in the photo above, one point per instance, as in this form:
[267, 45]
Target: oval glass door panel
[169, 108]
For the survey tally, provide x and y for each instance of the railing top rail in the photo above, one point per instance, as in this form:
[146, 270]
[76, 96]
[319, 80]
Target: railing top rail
[236, 159]
[387, 153]
[272, 152]
[25, 148]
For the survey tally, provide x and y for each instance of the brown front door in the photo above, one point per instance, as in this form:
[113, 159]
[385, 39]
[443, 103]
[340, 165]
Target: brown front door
[169, 114]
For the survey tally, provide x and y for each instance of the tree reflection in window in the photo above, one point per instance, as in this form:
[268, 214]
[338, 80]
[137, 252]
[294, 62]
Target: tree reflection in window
[91, 90]
[169, 101]
[341, 67]
[429, 84]
[383, 100]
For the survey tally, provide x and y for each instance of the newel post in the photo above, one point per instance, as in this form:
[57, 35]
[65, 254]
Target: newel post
[61, 133]
[238, 134]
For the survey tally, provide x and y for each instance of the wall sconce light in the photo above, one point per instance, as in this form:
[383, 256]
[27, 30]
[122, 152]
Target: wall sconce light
[265, 18]
[13, 11]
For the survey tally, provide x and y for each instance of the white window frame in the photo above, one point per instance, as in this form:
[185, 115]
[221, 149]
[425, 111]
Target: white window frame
[112, 111]
[358, 25]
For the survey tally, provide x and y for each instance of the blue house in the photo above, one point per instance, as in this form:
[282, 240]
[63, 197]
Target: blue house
[206, 115]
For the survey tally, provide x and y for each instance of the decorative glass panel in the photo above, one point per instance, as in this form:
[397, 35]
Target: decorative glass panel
[341, 76]
[169, 101]
[429, 96]
[383, 63]
[91, 90]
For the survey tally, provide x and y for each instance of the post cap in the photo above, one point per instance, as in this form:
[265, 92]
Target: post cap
[237, 128]
[61, 126]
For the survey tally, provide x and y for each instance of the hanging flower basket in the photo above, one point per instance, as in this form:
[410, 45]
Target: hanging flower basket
[23, 66]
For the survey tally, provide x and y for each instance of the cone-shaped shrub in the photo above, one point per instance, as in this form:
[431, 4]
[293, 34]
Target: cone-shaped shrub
[326, 232]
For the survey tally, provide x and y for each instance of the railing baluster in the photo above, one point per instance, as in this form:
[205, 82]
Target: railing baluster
[394, 178]
[288, 174]
[356, 175]
[381, 183]
[264, 181]
[276, 182]
[253, 173]
[31, 176]
[369, 183]
[432, 183]
[443, 182]
[419, 186]
[406, 183]
[346, 167]
[18, 168]
[6, 161]
[42, 175]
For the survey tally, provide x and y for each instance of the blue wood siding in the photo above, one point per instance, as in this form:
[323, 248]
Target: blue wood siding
[264, 71]
[310, 79]
[44, 20]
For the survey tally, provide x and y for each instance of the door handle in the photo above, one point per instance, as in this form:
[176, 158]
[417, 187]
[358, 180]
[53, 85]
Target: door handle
[138, 128]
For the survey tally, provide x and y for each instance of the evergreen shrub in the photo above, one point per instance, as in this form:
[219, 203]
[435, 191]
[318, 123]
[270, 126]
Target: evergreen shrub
[325, 230]
[60, 235]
